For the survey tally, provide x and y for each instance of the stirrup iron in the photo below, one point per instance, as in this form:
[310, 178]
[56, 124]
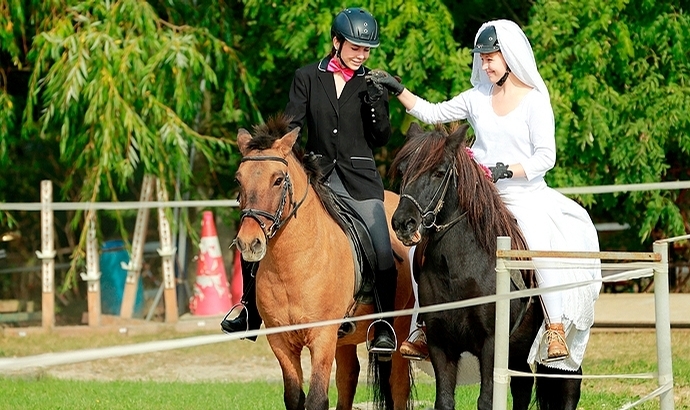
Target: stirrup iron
[232, 309]
[378, 351]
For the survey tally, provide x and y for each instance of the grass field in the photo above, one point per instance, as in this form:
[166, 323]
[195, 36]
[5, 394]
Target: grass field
[609, 352]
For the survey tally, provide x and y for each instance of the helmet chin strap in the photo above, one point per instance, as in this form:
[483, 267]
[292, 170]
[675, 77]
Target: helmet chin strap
[504, 78]
[340, 49]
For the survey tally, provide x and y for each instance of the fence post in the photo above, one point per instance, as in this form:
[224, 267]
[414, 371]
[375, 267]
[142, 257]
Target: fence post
[167, 254]
[133, 267]
[47, 255]
[502, 330]
[662, 309]
[93, 272]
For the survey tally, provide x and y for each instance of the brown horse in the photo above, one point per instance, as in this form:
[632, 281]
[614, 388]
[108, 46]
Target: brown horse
[307, 274]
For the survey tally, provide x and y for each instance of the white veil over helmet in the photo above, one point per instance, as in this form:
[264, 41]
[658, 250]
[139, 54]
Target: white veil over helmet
[517, 52]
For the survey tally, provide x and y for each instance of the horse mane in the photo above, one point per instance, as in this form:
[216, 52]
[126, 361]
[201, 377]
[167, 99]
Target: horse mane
[275, 128]
[488, 216]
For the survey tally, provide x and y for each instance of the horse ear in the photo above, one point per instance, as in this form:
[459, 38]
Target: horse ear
[243, 138]
[457, 138]
[284, 145]
[414, 130]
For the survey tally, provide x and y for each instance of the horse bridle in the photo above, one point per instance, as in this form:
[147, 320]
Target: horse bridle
[276, 219]
[430, 213]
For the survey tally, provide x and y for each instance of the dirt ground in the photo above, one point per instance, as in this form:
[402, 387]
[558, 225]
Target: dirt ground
[230, 361]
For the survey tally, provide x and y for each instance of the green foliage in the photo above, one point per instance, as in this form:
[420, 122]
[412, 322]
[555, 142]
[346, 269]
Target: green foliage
[95, 94]
[116, 91]
[618, 74]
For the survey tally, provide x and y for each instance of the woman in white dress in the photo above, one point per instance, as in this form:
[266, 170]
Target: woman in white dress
[511, 114]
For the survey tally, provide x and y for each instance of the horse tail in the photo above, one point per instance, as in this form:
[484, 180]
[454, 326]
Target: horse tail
[557, 393]
[379, 375]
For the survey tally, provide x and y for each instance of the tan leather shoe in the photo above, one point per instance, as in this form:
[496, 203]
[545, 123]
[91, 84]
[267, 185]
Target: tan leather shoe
[415, 347]
[555, 337]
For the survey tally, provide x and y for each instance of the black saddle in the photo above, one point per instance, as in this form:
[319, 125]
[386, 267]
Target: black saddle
[362, 246]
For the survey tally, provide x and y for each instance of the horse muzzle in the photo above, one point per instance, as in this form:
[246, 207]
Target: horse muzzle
[252, 251]
[409, 238]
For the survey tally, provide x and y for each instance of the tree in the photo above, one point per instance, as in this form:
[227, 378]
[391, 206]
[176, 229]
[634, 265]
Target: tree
[618, 73]
[116, 91]
[97, 93]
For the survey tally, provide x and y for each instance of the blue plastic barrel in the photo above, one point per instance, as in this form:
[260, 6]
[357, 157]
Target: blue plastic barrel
[113, 278]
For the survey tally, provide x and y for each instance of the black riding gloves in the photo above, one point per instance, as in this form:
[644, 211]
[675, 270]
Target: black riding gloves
[500, 171]
[374, 91]
[384, 79]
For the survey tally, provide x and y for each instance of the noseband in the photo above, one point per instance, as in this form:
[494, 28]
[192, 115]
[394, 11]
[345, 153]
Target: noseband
[435, 206]
[275, 218]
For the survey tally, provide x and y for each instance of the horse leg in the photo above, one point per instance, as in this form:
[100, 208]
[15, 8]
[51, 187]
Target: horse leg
[486, 370]
[520, 387]
[291, 367]
[322, 349]
[401, 376]
[401, 381]
[558, 393]
[446, 371]
[346, 375]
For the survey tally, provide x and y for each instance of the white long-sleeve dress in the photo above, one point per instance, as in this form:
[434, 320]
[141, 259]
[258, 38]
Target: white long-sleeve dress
[548, 219]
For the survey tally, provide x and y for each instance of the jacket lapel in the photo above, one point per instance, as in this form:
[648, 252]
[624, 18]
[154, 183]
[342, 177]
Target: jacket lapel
[327, 82]
[352, 86]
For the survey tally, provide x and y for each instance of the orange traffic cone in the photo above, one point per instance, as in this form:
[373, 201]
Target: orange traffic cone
[236, 289]
[211, 292]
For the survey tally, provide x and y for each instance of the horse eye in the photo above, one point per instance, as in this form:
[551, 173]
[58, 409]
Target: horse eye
[279, 181]
[439, 173]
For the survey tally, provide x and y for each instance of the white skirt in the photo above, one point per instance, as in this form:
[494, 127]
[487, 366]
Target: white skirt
[551, 221]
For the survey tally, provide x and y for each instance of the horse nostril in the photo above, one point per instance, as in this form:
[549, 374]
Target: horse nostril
[412, 224]
[256, 245]
[240, 245]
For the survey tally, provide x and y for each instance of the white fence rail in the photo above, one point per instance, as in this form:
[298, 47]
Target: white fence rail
[657, 262]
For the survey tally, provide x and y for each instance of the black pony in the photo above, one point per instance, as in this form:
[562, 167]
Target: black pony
[452, 210]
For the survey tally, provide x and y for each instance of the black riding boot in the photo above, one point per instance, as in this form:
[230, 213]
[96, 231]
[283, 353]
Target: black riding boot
[240, 323]
[386, 282]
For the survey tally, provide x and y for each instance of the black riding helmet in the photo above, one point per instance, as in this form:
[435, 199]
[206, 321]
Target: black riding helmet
[357, 26]
[487, 41]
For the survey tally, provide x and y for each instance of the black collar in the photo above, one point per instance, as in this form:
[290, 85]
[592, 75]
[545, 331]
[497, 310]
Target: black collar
[323, 65]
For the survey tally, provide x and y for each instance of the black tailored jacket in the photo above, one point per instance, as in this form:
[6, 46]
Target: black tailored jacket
[343, 131]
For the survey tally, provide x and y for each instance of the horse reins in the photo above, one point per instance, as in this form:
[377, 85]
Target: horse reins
[450, 175]
[276, 218]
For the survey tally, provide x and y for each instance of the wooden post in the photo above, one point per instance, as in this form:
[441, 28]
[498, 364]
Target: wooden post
[47, 255]
[133, 268]
[93, 272]
[167, 253]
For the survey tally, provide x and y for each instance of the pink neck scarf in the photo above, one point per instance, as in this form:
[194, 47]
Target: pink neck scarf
[334, 66]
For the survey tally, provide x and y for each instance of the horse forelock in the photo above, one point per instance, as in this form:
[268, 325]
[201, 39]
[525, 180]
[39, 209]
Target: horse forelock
[420, 154]
[266, 134]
